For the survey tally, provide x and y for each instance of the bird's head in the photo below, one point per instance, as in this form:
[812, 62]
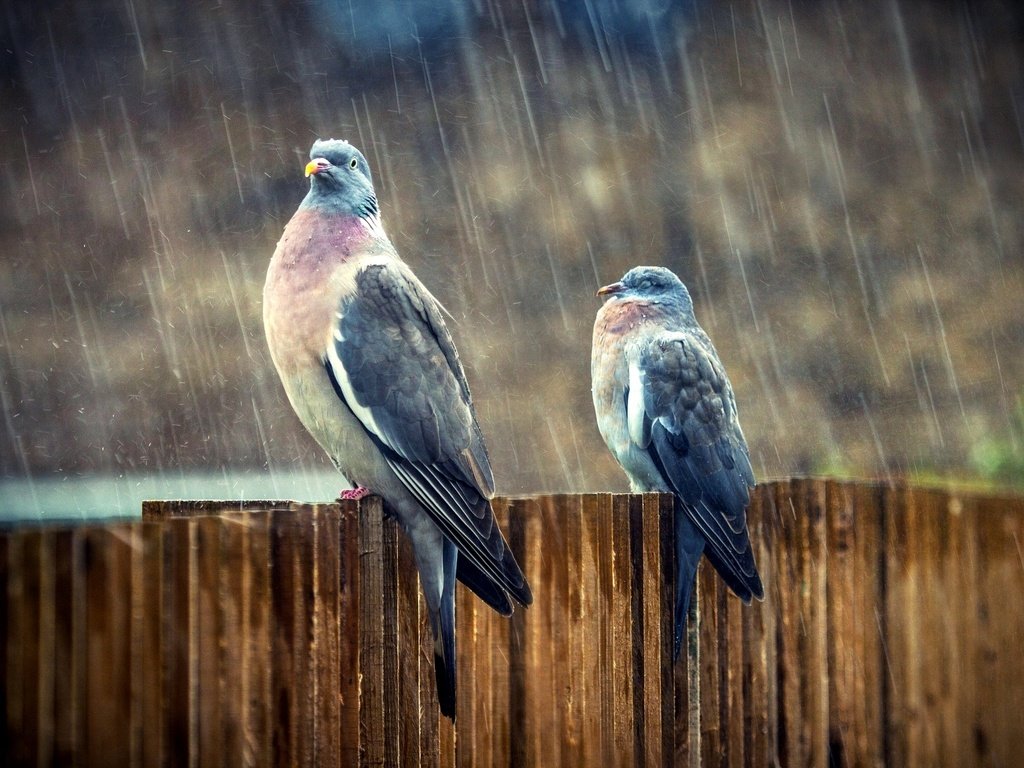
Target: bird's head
[340, 179]
[655, 285]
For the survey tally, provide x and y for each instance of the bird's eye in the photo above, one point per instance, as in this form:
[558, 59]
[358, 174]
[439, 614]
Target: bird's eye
[353, 163]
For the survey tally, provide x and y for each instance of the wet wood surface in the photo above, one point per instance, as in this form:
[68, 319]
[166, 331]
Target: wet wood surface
[277, 633]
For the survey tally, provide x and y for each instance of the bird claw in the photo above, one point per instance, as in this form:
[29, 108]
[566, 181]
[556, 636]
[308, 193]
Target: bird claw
[354, 494]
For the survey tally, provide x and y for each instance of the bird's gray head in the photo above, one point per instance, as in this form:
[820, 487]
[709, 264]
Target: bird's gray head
[340, 180]
[656, 285]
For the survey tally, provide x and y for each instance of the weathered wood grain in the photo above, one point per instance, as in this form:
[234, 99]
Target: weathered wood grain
[273, 633]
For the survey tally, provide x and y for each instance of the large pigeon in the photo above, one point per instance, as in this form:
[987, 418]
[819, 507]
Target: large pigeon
[666, 410]
[371, 370]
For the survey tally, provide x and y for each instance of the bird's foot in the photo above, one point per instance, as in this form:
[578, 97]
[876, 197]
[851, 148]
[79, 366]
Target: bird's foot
[354, 494]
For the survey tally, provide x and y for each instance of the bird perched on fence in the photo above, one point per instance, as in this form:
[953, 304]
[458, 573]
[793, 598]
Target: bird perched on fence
[371, 370]
[666, 409]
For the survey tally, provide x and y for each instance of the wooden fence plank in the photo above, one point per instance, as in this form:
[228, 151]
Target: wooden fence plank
[146, 644]
[471, 629]
[814, 619]
[855, 603]
[233, 597]
[46, 674]
[665, 597]
[348, 632]
[537, 524]
[654, 577]
[550, 545]
[285, 609]
[600, 533]
[10, 571]
[621, 620]
[712, 668]
[258, 620]
[498, 723]
[67, 568]
[792, 718]
[736, 681]
[395, 573]
[544, 621]
[21, 644]
[590, 624]
[998, 664]
[108, 582]
[960, 565]
[371, 634]
[522, 751]
[208, 630]
[903, 695]
[576, 660]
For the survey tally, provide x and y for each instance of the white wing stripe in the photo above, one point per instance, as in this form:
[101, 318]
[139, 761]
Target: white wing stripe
[635, 411]
[341, 376]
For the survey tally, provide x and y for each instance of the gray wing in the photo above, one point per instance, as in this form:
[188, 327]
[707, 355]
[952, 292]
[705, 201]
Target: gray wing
[681, 409]
[396, 366]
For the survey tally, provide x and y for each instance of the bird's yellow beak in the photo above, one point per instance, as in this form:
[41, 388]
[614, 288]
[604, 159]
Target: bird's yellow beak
[316, 165]
[611, 289]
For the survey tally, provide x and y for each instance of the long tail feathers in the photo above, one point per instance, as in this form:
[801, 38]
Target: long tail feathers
[484, 587]
[444, 636]
[689, 547]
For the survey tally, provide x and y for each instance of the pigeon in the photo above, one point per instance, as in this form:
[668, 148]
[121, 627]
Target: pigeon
[666, 410]
[371, 370]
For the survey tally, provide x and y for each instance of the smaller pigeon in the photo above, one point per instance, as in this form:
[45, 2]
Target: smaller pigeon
[665, 408]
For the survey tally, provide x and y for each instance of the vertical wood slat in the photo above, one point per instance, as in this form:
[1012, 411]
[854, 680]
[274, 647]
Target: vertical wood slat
[9, 573]
[998, 629]
[148, 642]
[350, 663]
[411, 654]
[233, 599]
[208, 630]
[902, 575]
[711, 652]
[108, 595]
[902, 638]
[758, 636]
[600, 530]
[18, 644]
[67, 574]
[498, 722]
[256, 675]
[549, 628]
[814, 688]
[523, 682]
[575, 711]
[590, 629]
[621, 619]
[392, 651]
[854, 601]
[530, 644]
[371, 635]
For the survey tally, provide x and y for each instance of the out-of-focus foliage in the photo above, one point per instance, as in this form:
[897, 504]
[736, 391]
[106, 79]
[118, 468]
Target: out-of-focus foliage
[840, 185]
[1001, 459]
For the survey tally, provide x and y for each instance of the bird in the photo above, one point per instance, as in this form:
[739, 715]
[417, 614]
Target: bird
[666, 410]
[370, 368]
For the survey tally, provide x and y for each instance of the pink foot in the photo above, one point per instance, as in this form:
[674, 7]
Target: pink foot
[356, 493]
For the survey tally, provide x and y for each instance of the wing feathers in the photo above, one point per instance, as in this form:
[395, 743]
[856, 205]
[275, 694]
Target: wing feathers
[698, 446]
[396, 367]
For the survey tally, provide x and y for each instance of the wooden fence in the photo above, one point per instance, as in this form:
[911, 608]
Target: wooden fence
[892, 633]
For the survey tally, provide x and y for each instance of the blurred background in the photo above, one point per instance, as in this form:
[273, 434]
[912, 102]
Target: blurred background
[840, 185]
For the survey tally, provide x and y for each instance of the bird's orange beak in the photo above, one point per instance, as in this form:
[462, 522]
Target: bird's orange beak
[611, 289]
[315, 166]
